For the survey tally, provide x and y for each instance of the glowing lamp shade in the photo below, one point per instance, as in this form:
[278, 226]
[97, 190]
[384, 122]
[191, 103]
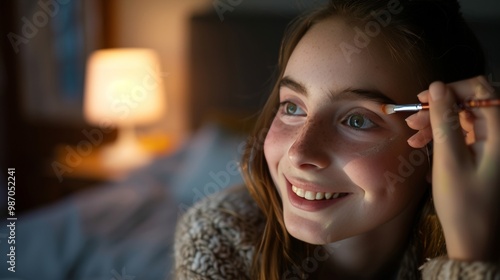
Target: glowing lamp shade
[123, 87]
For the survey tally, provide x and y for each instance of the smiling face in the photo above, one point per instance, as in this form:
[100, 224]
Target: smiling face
[341, 166]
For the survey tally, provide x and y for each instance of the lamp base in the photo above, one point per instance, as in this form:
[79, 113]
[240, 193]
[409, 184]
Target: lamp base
[126, 153]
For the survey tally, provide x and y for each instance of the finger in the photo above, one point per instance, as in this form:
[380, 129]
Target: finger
[467, 119]
[488, 123]
[486, 119]
[467, 123]
[447, 133]
[488, 130]
[424, 96]
[421, 138]
[419, 120]
[477, 87]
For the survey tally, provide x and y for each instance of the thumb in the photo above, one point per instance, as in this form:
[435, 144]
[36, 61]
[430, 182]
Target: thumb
[449, 142]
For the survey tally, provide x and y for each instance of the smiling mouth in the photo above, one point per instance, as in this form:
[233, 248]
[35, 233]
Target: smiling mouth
[310, 195]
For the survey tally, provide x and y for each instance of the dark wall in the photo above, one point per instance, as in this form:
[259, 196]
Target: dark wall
[232, 63]
[25, 144]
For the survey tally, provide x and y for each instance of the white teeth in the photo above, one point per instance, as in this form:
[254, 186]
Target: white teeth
[300, 192]
[310, 195]
[320, 195]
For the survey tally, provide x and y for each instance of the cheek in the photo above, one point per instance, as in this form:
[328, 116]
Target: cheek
[277, 141]
[388, 171]
[367, 172]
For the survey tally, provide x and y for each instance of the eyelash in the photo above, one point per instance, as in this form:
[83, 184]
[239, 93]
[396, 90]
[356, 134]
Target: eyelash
[284, 106]
[365, 118]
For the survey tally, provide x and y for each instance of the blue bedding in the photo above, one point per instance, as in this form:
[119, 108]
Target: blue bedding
[124, 230]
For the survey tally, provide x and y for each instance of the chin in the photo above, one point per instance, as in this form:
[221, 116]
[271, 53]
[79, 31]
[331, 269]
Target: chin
[309, 231]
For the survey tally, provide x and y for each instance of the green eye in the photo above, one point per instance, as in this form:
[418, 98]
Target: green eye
[290, 108]
[359, 121]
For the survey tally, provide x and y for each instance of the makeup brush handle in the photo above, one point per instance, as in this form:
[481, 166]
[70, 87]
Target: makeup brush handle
[410, 107]
[480, 103]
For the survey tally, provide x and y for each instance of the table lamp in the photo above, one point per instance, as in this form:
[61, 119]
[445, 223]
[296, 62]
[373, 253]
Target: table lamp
[123, 88]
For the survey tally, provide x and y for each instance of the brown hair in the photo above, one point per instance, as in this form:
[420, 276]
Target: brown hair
[430, 34]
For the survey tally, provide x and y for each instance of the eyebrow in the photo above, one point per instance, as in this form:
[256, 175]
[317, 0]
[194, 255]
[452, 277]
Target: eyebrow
[348, 93]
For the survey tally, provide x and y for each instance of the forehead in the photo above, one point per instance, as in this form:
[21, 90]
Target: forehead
[332, 56]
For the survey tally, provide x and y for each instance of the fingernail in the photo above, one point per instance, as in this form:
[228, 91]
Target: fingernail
[411, 140]
[411, 118]
[436, 91]
[423, 93]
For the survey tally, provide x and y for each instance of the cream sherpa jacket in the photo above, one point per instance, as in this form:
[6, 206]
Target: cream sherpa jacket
[216, 239]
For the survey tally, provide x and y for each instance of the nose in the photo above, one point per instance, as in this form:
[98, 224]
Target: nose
[309, 149]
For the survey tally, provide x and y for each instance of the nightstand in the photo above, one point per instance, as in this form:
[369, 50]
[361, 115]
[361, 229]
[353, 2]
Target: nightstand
[75, 167]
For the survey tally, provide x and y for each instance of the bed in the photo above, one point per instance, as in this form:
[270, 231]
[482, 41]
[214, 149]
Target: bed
[124, 230]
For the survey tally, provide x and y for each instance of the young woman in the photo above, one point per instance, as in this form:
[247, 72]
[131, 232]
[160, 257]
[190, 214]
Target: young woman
[337, 189]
